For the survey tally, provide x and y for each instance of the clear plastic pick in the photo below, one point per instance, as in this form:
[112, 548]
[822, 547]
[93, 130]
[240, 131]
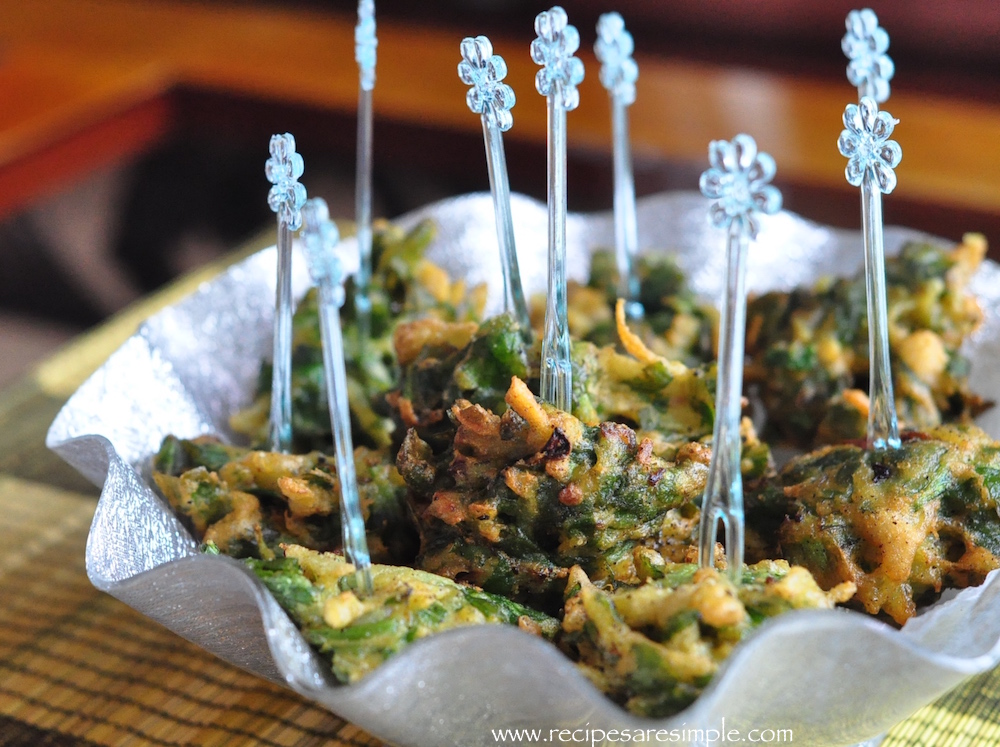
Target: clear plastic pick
[286, 198]
[865, 44]
[738, 181]
[557, 80]
[490, 97]
[365, 44]
[872, 156]
[320, 237]
[619, 72]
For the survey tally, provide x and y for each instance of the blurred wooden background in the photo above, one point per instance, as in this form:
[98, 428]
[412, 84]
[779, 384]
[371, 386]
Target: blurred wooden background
[133, 132]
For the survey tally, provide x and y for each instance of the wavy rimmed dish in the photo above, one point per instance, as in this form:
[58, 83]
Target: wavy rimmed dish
[833, 678]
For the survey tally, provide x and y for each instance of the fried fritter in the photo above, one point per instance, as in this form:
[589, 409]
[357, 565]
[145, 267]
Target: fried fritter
[653, 648]
[517, 499]
[404, 285]
[443, 362]
[356, 634]
[809, 348]
[900, 524]
[596, 509]
[248, 502]
[677, 325]
[665, 401]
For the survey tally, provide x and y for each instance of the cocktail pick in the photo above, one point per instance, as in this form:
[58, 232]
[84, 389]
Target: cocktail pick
[871, 160]
[493, 99]
[320, 236]
[865, 44]
[286, 198]
[618, 75]
[364, 52]
[738, 181]
[557, 80]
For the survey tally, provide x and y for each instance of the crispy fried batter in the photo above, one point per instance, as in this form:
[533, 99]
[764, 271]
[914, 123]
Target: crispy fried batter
[632, 343]
[404, 286]
[411, 338]
[900, 524]
[512, 516]
[248, 502]
[596, 508]
[655, 646]
[810, 347]
[356, 634]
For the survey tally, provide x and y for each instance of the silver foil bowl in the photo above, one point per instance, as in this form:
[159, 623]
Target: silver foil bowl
[833, 678]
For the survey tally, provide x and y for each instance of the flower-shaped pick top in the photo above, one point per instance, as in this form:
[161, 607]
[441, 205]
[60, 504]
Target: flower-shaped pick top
[614, 49]
[365, 43]
[319, 238]
[870, 69]
[738, 181]
[485, 71]
[553, 49]
[283, 170]
[866, 144]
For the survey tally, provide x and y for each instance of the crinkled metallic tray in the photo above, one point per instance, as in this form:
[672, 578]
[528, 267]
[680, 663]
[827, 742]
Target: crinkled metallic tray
[834, 678]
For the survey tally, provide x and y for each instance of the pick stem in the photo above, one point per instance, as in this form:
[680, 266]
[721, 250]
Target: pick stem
[319, 238]
[281, 379]
[626, 227]
[557, 366]
[363, 218]
[723, 499]
[513, 294]
[351, 520]
[365, 45]
[883, 427]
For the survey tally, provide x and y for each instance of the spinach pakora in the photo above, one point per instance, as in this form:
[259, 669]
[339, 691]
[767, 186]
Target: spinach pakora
[654, 647]
[357, 633]
[900, 524]
[676, 325]
[808, 349]
[665, 401]
[249, 502]
[517, 499]
[404, 285]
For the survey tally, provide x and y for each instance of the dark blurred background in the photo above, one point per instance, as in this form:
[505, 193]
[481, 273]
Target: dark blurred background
[76, 255]
[945, 46]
